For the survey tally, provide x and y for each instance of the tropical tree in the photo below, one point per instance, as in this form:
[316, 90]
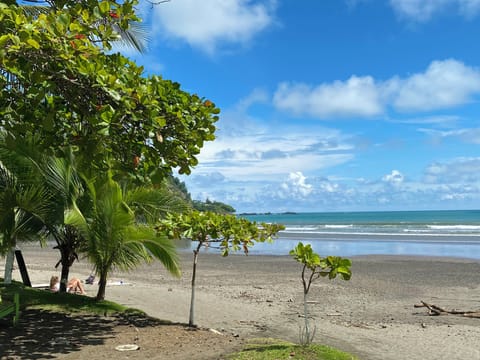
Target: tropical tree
[68, 203]
[313, 267]
[115, 240]
[208, 229]
[132, 36]
[150, 203]
[23, 202]
[59, 80]
[58, 83]
[213, 206]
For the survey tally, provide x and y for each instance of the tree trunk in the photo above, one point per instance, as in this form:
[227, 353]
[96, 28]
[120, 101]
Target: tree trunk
[66, 244]
[7, 277]
[192, 299]
[64, 278]
[102, 285]
[305, 310]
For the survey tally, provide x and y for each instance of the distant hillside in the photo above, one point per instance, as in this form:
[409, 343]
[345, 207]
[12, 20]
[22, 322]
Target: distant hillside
[214, 206]
[180, 188]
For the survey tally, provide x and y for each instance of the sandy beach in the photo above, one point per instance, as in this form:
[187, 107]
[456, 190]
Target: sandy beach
[371, 316]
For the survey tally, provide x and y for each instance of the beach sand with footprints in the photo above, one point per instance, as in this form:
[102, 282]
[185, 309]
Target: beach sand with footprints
[241, 297]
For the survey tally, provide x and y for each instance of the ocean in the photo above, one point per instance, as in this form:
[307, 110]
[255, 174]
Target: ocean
[453, 233]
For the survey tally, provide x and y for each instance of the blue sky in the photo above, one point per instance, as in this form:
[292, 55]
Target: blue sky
[331, 105]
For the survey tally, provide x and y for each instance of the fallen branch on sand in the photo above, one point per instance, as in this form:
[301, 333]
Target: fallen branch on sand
[435, 310]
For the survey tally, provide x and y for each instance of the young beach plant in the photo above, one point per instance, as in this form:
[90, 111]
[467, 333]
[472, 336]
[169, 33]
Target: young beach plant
[313, 268]
[229, 232]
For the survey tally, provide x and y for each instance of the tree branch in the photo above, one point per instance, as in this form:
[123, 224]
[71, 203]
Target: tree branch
[157, 2]
[437, 310]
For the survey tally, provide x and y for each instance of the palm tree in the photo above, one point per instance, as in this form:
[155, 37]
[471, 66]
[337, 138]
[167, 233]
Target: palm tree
[23, 201]
[57, 186]
[67, 187]
[115, 240]
[135, 36]
[149, 204]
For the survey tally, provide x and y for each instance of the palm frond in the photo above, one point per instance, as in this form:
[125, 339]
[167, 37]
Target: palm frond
[151, 204]
[63, 180]
[116, 241]
[164, 250]
[136, 37]
[35, 10]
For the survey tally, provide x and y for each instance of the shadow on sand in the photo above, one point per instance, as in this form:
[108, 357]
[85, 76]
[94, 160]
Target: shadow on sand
[44, 334]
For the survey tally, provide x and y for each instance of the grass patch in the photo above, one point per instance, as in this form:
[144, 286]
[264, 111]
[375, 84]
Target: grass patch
[62, 302]
[272, 349]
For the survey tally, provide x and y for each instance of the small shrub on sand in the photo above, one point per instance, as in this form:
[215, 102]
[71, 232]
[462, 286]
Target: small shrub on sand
[270, 349]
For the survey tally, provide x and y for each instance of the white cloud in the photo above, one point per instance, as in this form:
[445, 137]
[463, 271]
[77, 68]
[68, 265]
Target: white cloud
[444, 84]
[424, 10]
[296, 185]
[466, 135]
[394, 178]
[438, 120]
[209, 24]
[419, 10]
[251, 159]
[249, 148]
[357, 96]
[257, 96]
[457, 171]
[295, 191]
[256, 157]
[469, 8]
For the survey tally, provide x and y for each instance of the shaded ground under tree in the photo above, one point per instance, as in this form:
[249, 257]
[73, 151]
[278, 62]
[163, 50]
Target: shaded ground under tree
[50, 335]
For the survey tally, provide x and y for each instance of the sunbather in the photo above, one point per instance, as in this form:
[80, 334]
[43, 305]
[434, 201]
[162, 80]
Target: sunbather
[74, 285]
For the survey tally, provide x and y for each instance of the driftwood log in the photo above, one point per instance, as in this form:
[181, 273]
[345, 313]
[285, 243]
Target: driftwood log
[435, 310]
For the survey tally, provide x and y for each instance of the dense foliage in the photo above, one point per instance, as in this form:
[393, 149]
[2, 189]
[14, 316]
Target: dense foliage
[63, 89]
[213, 206]
[179, 187]
[58, 83]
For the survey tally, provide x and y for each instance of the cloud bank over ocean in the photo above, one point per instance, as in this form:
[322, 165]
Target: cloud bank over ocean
[345, 105]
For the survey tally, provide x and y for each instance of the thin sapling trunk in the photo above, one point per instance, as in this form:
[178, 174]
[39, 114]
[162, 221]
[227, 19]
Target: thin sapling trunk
[191, 322]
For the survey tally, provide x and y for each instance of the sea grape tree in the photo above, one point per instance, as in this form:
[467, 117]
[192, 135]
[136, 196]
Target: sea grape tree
[314, 267]
[60, 83]
[56, 82]
[209, 229]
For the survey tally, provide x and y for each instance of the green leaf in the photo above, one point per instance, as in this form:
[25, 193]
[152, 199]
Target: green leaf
[33, 43]
[3, 40]
[157, 177]
[48, 122]
[104, 7]
[64, 20]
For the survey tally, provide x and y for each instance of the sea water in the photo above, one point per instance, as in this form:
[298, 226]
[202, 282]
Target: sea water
[423, 233]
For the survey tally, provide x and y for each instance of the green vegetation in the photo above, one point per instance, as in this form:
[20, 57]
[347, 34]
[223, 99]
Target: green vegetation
[23, 202]
[208, 229]
[313, 267]
[60, 82]
[78, 116]
[61, 302]
[115, 240]
[213, 206]
[178, 186]
[111, 224]
[272, 349]
[88, 145]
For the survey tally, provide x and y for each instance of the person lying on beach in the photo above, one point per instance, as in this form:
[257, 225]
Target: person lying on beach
[74, 285]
